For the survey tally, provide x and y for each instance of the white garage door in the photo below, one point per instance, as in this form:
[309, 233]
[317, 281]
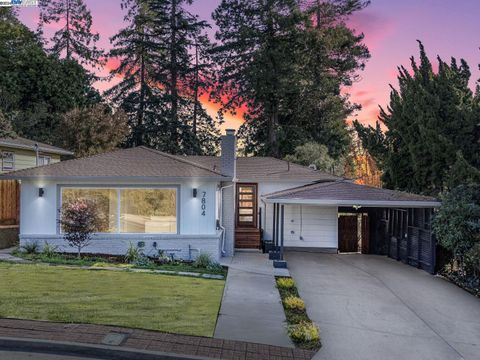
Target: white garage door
[311, 226]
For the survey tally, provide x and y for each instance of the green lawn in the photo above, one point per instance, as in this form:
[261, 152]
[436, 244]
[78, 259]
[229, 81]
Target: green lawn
[148, 301]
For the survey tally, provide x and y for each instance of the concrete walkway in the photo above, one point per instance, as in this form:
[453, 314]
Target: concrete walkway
[251, 307]
[5, 255]
[371, 307]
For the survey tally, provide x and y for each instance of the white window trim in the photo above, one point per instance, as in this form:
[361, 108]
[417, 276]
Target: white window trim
[119, 188]
[44, 157]
[12, 162]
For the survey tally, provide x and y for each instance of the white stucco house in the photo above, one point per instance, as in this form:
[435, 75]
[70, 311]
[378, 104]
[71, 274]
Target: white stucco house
[186, 205]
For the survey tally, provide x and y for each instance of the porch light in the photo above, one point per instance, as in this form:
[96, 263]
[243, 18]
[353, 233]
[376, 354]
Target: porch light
[194, 193]
[41, 192]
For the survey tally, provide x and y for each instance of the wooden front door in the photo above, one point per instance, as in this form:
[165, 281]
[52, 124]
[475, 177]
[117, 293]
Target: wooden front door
[247, 234]
[348, 233]
[246, 205]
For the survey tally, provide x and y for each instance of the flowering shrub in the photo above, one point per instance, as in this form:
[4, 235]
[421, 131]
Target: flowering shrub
[304, 332]
[79, 221]
[294, 303]
[285, 283]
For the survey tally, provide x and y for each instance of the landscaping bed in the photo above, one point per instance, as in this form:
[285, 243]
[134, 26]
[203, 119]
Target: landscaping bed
[303, 332]
[138, 300]
[99, 260]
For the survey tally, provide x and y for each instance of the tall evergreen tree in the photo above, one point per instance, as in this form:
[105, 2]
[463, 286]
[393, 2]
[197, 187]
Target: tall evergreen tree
[184, 71]
[164, 58]
[137, 51]
[75, 38]
[259, 41]
[33, 84]
[333, 55]
[432, 128]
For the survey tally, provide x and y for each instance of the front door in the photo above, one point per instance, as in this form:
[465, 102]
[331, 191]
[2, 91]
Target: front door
[247, 234]
[246, 205]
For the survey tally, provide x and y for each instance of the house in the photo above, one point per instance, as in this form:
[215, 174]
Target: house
[186, 205]
[20, 153]
[17, 154]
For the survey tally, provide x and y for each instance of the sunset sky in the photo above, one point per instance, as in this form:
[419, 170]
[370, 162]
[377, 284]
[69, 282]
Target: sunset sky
[391, 27]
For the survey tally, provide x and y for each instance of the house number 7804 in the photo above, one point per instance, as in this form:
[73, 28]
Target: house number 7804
[204, 202]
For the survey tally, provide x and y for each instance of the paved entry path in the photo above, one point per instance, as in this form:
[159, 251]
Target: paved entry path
[6, 255]
[371, 307]
[251, 308]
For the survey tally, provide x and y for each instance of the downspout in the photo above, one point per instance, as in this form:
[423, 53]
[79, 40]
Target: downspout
[36, 154]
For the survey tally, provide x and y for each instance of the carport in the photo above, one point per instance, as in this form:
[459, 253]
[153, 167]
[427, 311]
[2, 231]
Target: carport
[370, 221]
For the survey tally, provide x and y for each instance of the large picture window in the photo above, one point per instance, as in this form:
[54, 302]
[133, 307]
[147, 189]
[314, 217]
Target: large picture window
[130, 210]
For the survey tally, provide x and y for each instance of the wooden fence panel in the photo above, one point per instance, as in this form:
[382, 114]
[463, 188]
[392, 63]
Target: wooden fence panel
[9, 202]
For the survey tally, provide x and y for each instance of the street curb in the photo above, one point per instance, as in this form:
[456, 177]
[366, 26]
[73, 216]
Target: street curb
[86, 350]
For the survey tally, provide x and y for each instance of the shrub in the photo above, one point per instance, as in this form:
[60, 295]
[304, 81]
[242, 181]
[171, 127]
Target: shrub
[79, 220]
[294, 303]
[304, 332]
[457, 224]
[133, 254]
[49, 251]
[30, 248]
[143, 262]
[203, 261]
[285, 283]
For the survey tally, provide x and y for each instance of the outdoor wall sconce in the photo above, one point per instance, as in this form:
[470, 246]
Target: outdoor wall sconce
[41, 192]
[195, 191]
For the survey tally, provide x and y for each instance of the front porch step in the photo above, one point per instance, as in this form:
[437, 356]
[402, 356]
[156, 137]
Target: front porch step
[247, 238]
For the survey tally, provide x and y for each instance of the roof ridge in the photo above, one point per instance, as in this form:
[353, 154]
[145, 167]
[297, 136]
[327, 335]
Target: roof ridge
[178, 158]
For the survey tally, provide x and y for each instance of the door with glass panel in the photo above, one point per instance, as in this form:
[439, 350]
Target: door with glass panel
[246, 205]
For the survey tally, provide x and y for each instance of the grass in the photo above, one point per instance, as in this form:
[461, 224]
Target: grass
[86, 260]
[137, 300]
[303, 332]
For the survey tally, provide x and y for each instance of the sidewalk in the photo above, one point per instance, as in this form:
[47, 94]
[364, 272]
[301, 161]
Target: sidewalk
[251, 307]
[128, 339]
[5, 255]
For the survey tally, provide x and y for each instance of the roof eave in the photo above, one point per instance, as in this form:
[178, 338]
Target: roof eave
[362, 203]
[142, 179]
[40, 148]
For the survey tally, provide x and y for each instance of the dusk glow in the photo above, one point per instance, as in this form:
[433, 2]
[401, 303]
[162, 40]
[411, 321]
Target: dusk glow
[447, 28]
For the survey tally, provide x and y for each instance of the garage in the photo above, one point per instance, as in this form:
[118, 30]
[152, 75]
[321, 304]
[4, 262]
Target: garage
[345, 217]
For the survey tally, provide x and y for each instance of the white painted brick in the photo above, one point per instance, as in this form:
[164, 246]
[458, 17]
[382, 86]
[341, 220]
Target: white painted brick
[118, 244]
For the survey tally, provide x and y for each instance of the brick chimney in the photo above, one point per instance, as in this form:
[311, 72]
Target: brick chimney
[228, 162]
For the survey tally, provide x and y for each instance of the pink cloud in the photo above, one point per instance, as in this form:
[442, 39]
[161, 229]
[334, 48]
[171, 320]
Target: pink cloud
[375, 28]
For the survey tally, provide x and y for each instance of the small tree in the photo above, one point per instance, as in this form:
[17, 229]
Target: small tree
[93, 130]
[312, 153]
[457, 223]
[78, 221]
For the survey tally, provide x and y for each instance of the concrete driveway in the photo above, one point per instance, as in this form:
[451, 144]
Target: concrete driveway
[372, 307]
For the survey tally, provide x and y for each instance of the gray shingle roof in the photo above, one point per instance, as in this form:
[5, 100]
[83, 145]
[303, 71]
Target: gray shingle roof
[139, 162]
[264, 169]
[344, 193]
[22, 143]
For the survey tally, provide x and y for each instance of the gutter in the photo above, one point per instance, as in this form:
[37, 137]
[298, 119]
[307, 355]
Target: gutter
[364, 203]
[33, 148]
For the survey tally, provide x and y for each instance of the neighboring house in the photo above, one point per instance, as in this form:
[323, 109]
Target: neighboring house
[20, 153]
[186, 205]
[17, 154]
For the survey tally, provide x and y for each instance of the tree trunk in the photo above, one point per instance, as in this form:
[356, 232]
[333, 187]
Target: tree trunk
[79, 252]
[68, 31]
[141, 108]
[173, 66]
[195, 108]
